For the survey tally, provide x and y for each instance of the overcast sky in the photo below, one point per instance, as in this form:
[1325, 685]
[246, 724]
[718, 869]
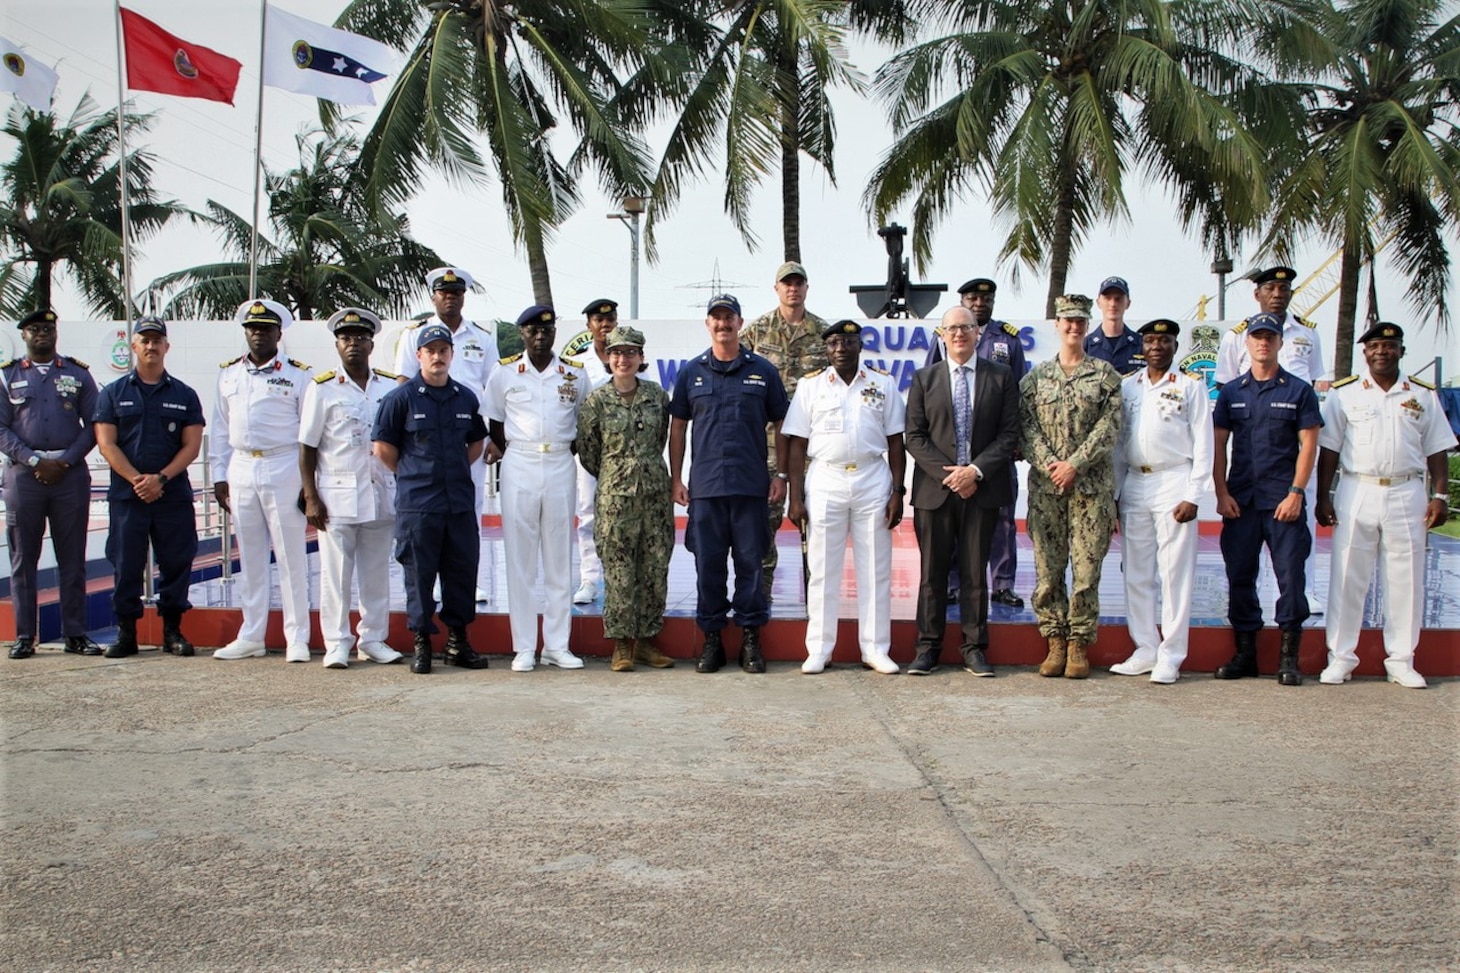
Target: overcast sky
[205, 151]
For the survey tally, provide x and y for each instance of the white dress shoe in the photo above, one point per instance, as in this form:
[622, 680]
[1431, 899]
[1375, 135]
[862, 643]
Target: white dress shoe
[1164, 674]
[585, 594]
[481, 595]
[1315, 603]
[379, 652]
[240, 649]
[563, 659]
[1336, 674]
[296, 653]
[524, 661]
[338, 658]
[1136, 665]
[882, 664]
[813, 665]
[1402, 672]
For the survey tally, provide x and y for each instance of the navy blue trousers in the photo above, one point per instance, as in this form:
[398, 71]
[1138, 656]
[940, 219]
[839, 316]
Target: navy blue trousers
[169, 527]
[431, 544]
[29, 506]
[728, 527]
[1289, 544]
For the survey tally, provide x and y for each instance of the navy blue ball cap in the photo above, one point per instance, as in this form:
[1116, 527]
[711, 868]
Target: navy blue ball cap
[724, 300]
[434, 332]
[1265, 321]
[152, 324]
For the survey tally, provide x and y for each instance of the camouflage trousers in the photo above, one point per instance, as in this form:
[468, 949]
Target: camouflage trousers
[635, 538]
[1069, 529]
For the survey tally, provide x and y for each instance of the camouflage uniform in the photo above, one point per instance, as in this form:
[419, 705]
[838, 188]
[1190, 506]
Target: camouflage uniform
[622, 443]
[795, 350]
[1075, 419]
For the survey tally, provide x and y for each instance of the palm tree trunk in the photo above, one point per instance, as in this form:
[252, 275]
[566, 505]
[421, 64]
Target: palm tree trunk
[791, 159]
[43, 269]
[1062, 245]
[537, 265]
[1348, 306]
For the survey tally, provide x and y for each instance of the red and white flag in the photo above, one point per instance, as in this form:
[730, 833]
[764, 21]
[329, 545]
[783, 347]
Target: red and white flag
[161, 62]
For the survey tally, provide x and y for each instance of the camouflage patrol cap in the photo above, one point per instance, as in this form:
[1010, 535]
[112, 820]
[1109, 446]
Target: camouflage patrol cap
[791, 268]
[1072, 306]
[624, 336]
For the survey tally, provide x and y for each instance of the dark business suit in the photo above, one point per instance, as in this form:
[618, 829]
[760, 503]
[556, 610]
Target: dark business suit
[941, 518]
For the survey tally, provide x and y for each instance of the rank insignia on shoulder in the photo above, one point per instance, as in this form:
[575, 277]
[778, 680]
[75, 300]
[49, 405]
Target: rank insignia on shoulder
[300, 365]
[1240, 327]
[1305, 322]
[324, 377]
[569, 361]
[231, 361]
[79, 363]
[510, 359]
[879, 371]
[1344, 381]
[1009, 330]
[813, 374]
[384, 374]
[8, 362]
[1422, 383]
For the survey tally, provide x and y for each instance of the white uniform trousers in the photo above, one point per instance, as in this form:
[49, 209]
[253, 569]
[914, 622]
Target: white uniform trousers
[842, 503]
[264, 494]
[348, 552]
[1371, 519]
[538, 499]
[1160, 556]
[590, 568]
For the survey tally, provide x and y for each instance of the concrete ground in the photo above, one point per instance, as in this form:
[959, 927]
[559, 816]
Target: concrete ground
[165, 814]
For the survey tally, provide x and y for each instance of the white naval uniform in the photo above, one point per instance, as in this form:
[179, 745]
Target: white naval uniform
[256, 450]
[474, 357]
[1300, 355]
[848, 483]
[539, 416]
[590, 568]
[1164, 457]
[358, 493]
[1383, 440]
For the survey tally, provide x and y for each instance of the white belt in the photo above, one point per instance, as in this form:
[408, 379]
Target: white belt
[1159, 467]
[49, 453]
[871, 462]
[538, 447]
[1384, 480]
[261, 453]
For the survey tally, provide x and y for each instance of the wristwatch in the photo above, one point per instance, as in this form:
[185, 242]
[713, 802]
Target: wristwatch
[1295, 489]
[1440, 496]
[783, 476]
[162, 479]
[34, 461]
[900, 490]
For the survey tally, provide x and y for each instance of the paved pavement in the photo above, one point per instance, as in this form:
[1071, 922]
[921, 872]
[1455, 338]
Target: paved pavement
[165, 814]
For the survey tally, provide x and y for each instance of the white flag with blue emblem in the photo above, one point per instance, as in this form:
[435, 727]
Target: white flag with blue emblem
[314, 59]
[25, 77]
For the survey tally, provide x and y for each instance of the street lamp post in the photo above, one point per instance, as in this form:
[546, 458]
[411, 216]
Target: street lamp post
[633, 208]
[1222, 266]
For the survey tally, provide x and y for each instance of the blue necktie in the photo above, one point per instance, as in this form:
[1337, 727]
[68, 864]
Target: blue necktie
[962, 415]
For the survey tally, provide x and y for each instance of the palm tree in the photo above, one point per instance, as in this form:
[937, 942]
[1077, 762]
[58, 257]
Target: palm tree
[749, 89]
[1381, 156]
[506, 71]
[1047, 106]
[61, 205]
[329, 251]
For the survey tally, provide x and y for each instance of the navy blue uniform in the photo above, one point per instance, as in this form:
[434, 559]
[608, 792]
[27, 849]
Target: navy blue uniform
[436, 525]
[1122, 353]
[150, 420]
[728, 405]
[1264, 419]
[46, 413]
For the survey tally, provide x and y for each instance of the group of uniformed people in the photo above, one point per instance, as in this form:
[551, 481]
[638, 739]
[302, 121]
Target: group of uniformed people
[781, 415]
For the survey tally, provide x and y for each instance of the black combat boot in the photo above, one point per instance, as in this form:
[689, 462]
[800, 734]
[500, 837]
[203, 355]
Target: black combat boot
[1288, 673]
[126, 643]
[712, 656]
[458, 651]
[421, 664]
[173, 640]
[1244, 663]
[750, 658]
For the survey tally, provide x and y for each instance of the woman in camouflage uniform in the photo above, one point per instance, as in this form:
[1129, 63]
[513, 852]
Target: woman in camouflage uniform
[622, 430]
[1070, 417]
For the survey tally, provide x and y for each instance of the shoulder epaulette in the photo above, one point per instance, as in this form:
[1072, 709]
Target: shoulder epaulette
[510, 359]
[414, 325]
[879, 371]
[1421, 383]
[1241, 327]
[812, 374]
[8, 362]
[384, 374]
[569, 361]
[300, 365]
[1305, 322]
[1344, 381]
[231, 361]
[1010, 330]
[325, 377]
[79, 363]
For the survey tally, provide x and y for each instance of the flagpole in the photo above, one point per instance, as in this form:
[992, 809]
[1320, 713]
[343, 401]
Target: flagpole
[127, 308]
[258, 154]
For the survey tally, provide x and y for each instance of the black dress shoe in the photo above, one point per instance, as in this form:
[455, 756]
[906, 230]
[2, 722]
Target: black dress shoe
[925, 663]
[81, 645]
[750, 658]
[421, 664]
[459, 653]
[712, 656]
[1006, 597]
[22, 648]
[975, 662]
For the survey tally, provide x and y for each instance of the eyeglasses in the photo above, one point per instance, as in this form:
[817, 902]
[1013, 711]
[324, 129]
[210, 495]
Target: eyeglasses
[849, 341]
[353, 338]
[959, 328]
[625, 352]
